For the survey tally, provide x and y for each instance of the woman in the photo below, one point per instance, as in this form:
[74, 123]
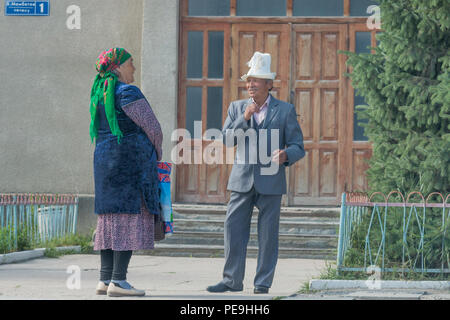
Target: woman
[128, 145]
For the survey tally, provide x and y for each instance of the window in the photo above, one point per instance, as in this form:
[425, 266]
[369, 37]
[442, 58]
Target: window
[362, 45]
[267, 8]
[209, 8]
[318, 8]
[359, 7]
[363, 42]
[260, 7]
[215, 54]
[195, 54]
[193, 107]
[214, 118]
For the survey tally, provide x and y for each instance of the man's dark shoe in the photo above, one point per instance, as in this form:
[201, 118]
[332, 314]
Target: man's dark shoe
[261, 290]
[221, 287]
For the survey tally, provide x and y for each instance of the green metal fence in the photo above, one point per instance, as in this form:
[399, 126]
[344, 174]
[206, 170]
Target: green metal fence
[393, 233]
[36, 218]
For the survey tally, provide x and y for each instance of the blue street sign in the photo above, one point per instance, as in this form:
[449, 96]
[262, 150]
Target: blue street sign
[27, 8]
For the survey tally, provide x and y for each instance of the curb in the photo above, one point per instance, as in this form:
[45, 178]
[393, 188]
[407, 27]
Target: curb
[14, 257]
[377, 284]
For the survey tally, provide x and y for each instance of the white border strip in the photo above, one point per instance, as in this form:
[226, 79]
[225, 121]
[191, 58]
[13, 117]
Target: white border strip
[377, 285]
[31, 254]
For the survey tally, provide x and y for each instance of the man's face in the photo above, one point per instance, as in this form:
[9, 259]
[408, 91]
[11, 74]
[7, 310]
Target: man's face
[258, 88]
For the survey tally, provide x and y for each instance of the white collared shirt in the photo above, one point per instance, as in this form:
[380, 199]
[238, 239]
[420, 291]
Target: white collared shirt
[261, 115]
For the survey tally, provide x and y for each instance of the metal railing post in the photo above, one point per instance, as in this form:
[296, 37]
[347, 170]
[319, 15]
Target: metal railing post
[340, 255]
[74, 230]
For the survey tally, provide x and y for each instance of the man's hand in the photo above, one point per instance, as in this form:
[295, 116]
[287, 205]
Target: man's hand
[279, 156]
[250, 110]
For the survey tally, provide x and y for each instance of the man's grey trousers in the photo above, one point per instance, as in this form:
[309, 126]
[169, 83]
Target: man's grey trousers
[237, 234]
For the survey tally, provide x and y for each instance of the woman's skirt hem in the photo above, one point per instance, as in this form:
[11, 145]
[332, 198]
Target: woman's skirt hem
[125, 231]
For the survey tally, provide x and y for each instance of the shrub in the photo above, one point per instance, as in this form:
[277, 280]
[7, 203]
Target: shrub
[406, 85]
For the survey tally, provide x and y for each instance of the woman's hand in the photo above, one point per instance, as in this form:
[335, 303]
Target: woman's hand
[158, 154]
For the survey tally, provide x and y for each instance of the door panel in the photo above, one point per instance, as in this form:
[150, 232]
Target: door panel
[329, 57]
[319, 91]
[304, 100]
[328, 164]
[358, 168]
[304, 52]
[266, 38]
[329, 111]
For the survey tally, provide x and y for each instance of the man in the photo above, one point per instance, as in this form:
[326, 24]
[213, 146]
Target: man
[272, 122]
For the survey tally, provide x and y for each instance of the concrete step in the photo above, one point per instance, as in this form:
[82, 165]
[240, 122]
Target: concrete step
[286, 226]
[195, 216]
[285, 240]
[305, 233]
[211, 210]
[210, 251]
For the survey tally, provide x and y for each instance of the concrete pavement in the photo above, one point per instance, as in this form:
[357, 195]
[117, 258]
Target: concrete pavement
[74, 277]
[163, 278]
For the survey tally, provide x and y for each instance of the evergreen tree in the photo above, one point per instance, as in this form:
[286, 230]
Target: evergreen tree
[406, 85]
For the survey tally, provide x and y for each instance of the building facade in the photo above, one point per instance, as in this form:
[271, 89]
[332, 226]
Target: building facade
[190, 55]
[304, 38]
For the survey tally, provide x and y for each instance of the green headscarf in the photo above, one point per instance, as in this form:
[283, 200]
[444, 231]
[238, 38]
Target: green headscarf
[104, 88]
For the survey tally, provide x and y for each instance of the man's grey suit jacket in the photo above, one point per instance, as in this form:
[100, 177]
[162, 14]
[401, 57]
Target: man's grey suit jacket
[245, 173]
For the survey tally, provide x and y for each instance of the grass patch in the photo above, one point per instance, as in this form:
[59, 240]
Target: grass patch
[305, 289]
[73, 240]
[54, 253]
[26, 241]
[70, 240]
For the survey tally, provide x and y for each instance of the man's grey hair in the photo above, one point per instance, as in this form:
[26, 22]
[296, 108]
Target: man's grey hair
[271, 82]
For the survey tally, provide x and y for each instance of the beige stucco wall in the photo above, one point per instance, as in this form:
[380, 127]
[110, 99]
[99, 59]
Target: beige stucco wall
[160, 67]
[46, 73]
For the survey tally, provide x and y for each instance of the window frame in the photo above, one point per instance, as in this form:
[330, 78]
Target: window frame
[204, 82]
[353, 29]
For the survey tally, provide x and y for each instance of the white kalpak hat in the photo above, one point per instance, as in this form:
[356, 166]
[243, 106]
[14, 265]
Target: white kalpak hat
[259, 67]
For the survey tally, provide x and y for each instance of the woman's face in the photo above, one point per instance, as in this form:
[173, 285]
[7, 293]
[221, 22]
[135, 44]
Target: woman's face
[126, 71]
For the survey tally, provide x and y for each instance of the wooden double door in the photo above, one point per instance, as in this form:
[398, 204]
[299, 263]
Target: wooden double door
[310, 75]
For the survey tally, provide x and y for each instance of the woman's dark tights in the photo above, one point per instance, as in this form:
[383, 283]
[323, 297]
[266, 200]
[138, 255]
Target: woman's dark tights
[114, 264]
